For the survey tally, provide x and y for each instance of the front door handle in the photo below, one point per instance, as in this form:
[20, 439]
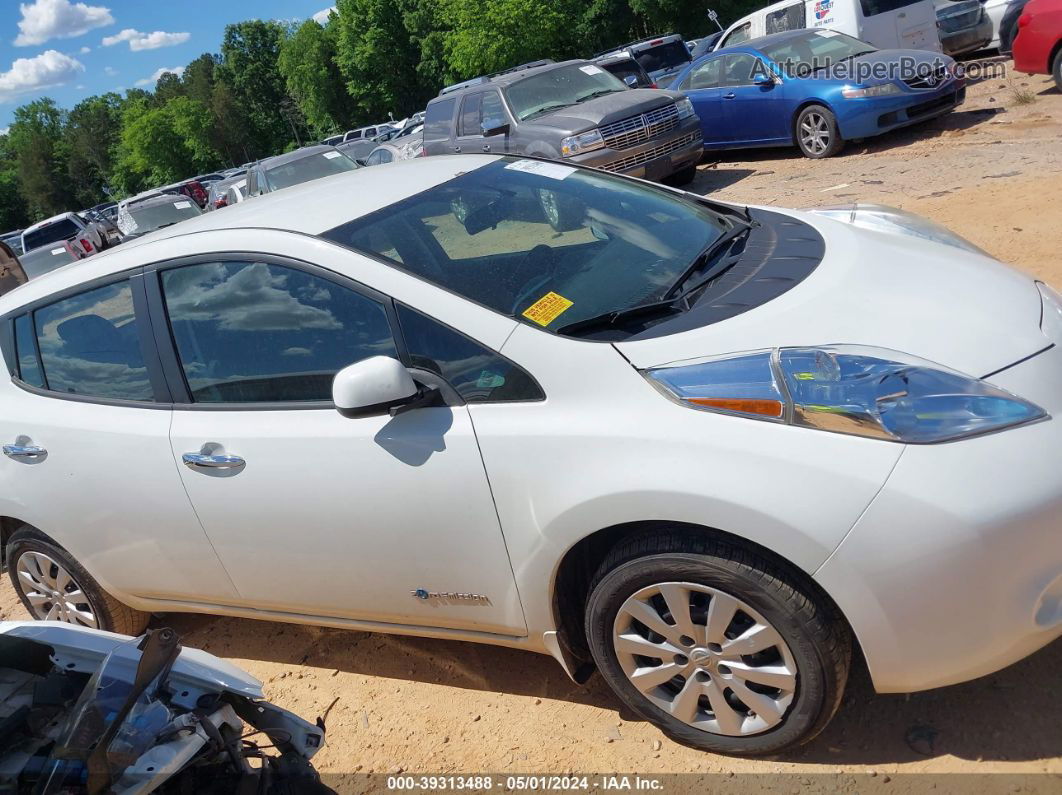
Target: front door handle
[731, 95]
[486, 147]
[194, 460]
[457, 148]
[24, 451]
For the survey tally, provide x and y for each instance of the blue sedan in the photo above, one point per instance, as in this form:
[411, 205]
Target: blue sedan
[815, 89]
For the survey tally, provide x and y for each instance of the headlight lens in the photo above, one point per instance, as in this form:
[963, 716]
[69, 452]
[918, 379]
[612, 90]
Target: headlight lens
[685, 108]
[862, 92]
[1051, 315]
[883, 218]
[855, 390]
[584, 142]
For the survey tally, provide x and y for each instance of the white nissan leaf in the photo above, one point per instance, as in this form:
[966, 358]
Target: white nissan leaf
[712, 451]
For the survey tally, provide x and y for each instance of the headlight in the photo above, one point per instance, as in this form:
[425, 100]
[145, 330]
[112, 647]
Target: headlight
[1051, 314]
[883, 218]
[883, 90]
[848, 389]
[685, 108]
[584, 142]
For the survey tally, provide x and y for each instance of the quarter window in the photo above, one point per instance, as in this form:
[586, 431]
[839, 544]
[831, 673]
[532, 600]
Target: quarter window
[89, 345]
[251, 332]
[28, 368]
[477, 373]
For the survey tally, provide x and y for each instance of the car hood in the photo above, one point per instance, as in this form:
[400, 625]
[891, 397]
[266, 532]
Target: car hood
[953, 307]
[606, 109]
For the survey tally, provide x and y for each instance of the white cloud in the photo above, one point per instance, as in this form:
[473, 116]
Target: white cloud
[4, 130]
[79, 87]
[58, 19]
[47, 70]
[150, 81]
[110, 71]
[321, 16]
[146, 41]
[85, 50]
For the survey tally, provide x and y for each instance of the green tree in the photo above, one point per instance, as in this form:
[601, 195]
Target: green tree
[198, 78]
[307, 62]
[489, 35]
[168, 87]
[377, 57]
[36, 138]
[250, 52]
[165, 144]
[93, 129]
[13, 211]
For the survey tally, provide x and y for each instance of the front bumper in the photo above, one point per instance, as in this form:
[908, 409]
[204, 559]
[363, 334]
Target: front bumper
[657, 158]
[968, 39]
[955, 569]
[863, 118]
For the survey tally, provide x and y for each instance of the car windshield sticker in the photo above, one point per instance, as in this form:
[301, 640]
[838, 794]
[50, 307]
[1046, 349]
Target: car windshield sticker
[58, 251]
[547, 308]
[330, 155]
[182, 205]
[551, 170]
[590, 70]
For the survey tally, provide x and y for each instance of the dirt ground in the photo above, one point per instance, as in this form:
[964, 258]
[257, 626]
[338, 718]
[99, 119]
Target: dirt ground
[992, 171]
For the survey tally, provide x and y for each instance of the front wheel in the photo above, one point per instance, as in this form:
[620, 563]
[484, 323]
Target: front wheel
[55, 587]
[817, 134]
[1056, 69]
[724, 651]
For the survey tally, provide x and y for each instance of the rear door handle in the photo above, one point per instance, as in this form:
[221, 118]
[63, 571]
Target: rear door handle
[731, 95]
[24, 451]
[198, 460]
[457, 148]
[486, 147]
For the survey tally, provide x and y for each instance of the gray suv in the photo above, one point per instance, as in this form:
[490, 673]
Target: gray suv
[573, 111]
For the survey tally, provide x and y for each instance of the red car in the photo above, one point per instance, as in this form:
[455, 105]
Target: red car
[1038, 46]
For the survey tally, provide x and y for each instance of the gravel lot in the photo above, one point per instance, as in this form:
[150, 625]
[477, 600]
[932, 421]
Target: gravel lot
[992, 172]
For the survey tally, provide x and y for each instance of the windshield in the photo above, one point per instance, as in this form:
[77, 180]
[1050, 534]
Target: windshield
[140, 218]
[663, 57]
[52, 233]
[315, 166]
[542, 242]
[814, 51]
[559, 88]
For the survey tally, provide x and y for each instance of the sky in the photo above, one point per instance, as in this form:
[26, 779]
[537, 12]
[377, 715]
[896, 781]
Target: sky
[69, 50]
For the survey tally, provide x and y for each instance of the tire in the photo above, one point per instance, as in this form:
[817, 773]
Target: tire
[683, 176]
[807, 666]
[816, 132]
[29, 549]
[1056, 69]
[563, 213]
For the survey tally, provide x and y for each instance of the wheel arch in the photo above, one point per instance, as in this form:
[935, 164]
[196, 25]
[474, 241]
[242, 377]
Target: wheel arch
[576, 569]
[806, 103]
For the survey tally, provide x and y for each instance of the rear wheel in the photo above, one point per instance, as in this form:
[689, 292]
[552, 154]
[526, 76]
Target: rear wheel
[722, 649]
[55, 587]
[817, 134]
[1056, 69]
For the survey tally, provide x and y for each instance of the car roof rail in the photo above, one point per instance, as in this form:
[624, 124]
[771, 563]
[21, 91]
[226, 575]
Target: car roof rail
[629, 44]
[475, 81]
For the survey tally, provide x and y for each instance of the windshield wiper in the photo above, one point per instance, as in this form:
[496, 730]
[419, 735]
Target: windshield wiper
[596, 94]
[675, 296]
[546, 109]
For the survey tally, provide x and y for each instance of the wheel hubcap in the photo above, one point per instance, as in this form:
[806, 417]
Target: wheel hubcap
[815, 133]
[705, 657]
[52, 593]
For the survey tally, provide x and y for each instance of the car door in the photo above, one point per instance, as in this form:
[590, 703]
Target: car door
[376, 518]
[704, 87]
[752, 111]
[469, 134]
[87, 460]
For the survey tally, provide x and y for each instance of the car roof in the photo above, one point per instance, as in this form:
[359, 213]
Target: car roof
[297, 154]
[505, 78]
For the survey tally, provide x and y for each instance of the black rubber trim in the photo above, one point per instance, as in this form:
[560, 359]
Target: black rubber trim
[1020, 361]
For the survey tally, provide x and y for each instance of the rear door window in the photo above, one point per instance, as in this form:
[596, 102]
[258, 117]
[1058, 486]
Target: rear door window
[704, 75]
[90, 346]
[437, 119]
[470, 109]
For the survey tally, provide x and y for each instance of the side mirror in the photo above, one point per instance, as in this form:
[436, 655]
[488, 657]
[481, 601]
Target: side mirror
[377, 385]
[494, 127]
[766, 81]
[631, 81]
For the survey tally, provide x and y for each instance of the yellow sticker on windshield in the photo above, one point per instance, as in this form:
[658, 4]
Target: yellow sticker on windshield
[547, 308]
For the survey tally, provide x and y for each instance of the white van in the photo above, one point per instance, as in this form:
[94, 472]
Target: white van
[888, 24]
